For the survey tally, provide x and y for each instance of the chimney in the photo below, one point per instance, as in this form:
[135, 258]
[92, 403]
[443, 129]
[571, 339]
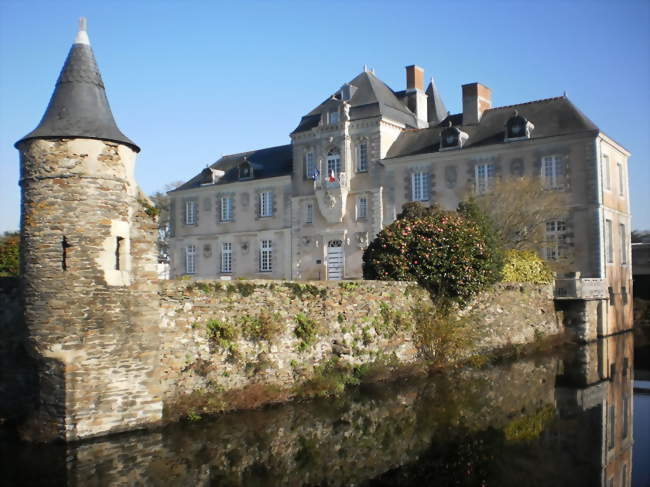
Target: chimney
[414, 78]
[476, 99]
[415, 97]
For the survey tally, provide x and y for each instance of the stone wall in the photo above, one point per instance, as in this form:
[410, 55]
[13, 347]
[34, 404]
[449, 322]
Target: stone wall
[218, 336]
[89, 287]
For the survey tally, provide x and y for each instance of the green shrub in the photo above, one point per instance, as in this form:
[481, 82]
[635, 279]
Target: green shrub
[9, 254]
[525, 266]
[441, 335]
[444, 252]
[265, 326]
[306, 331]
[223, 334]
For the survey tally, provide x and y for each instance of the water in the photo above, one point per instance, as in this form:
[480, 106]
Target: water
[559, 419]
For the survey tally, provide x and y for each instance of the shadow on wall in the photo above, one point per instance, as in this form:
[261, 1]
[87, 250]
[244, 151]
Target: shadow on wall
[18, 371]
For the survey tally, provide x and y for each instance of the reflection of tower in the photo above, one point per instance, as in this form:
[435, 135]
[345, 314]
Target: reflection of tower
[89, 262]
[594, 400]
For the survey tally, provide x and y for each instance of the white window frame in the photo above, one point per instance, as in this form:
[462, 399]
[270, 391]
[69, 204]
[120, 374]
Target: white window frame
[483, 177]
[226, 257]
[607, 173]
[226, 209]
[622, 241]
[266, 256]
[190, 259]
[191, 209]
[550, 172]
[266, 204]
[362, 157]
[334, 162]
[609, 242]
[621, 179]
[309, 212]
[419, 186]
[555, 235]
[362, 207]
[310, 165]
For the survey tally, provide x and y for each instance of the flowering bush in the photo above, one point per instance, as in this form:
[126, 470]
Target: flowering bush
[444, 252]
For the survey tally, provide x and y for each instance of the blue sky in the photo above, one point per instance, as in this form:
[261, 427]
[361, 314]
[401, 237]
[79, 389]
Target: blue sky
[190, 81]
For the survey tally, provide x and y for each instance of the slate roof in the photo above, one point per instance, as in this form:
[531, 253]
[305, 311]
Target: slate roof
[267, 163]
[372, 98]
[552, 117]
[79, 107]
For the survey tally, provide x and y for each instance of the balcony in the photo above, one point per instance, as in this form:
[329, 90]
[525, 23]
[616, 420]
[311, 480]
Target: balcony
[580, 288]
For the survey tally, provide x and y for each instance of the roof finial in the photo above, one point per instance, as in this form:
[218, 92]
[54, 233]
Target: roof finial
[82, 34]
[564, 94]
[365, 68]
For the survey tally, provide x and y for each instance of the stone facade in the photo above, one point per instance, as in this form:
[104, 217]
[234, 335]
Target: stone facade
[89, 288]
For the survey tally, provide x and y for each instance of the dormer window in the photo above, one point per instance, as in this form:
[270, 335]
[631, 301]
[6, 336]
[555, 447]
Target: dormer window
[245, 170]
[518, 128]
[452, 138]
[333, 117]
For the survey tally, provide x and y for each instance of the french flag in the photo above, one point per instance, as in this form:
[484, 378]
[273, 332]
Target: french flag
[332, 178]
[315, 175]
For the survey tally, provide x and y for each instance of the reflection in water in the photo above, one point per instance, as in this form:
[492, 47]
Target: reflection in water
[552, 420]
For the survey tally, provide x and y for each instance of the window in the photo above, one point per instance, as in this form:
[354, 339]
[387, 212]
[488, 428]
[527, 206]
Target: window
[555, 239]
[552, 172]
[310, 165]
[190, 212]
[625, 420]
[362, 207]
[226, 257]
[362, 157]
[420, 186]
[309, 213]
[266, 203]
[621, 179]
[190, 259]
[226, 209]
[483, 175]
[266, 256]
[245, 170]
[622, 243]
[606, 174]
[609, 248]
[333, 162]
[612, 426]
[333, 117]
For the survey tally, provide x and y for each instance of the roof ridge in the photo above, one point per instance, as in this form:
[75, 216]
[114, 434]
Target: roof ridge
[252, 150]
[541, 100]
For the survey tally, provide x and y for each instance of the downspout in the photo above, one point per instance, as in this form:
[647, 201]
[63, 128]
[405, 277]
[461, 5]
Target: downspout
[602, 268]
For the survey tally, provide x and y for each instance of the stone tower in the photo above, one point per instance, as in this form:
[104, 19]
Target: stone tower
[88, 264]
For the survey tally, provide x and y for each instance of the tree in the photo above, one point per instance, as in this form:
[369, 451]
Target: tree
[161, 202]
[444, 252]
[10, 254]
[521, 207]
[640, 236]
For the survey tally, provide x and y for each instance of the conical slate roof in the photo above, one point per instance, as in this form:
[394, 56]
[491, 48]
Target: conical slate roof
[436, 108]
[79, 107]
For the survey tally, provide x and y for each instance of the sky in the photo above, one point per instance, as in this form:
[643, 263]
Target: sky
[189, 81]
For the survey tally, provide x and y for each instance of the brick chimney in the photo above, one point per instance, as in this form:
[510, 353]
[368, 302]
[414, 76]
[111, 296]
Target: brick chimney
[476, 99]
[415, 97]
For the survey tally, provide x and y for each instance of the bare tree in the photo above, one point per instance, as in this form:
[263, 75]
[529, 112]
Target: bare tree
[520, 209]
[161, 201]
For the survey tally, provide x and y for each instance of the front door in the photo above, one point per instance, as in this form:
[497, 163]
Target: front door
[335, 260]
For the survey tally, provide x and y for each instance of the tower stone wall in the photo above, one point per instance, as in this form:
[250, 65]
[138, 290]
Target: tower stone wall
[90, 288]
